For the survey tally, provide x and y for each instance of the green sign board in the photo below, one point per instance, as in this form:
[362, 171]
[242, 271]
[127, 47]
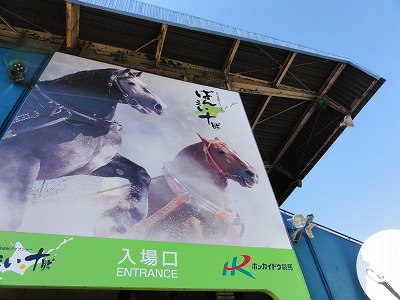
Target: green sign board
[28, 260]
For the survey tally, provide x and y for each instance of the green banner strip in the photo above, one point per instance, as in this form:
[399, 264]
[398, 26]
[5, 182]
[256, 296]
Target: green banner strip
[38, 260]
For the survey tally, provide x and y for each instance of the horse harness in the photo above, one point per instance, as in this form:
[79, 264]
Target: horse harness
[210, 160]
[61, 112]
[184, 195]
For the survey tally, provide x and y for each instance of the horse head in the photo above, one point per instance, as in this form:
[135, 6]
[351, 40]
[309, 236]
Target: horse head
[135, 92]
[228, 163]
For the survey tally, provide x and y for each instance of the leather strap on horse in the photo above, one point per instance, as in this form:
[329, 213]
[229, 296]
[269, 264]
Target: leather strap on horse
[179, 188]
[114, 80]
[184, 195]
[57, 110]
[139, 229]
[12, 133]
[72, 114]
[210, 158]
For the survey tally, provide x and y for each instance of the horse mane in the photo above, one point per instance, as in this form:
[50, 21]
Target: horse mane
[90, 82]
[86, 92]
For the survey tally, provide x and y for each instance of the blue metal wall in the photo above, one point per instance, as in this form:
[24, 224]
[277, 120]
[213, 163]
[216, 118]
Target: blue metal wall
[13, 94]
[328, 262]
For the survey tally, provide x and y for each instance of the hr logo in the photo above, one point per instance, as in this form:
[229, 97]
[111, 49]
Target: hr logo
[237, 267]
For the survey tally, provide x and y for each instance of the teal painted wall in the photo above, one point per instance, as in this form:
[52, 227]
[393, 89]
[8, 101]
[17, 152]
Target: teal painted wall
[12, 94]
[328, 262]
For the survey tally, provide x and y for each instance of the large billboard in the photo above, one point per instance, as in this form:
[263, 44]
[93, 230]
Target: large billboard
[131, 175]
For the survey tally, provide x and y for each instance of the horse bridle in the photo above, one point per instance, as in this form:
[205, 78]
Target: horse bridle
[210, 160]
[114, 79]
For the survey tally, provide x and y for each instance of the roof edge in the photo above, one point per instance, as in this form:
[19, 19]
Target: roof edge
[154, 13]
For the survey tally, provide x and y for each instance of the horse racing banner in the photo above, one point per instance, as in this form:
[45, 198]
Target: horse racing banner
[114, 178]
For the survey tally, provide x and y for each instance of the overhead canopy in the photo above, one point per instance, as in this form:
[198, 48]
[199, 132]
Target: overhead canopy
[295, 98]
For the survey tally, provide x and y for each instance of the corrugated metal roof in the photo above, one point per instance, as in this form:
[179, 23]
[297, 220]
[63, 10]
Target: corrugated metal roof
[150, 12]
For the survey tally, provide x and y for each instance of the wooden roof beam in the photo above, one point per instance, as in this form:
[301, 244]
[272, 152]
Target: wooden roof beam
[199, 74]
[32, 38]
[357, 102]
[160, 45]
[146, 44]
[307, 114]
[302, 121]
[331, 79]
[9, 25]
[260, 111]
[300, 124]
[320, 151]
[285, 172]
[231, 55]
[282, 72]
[328, 84]
[284, 68]
[280, 168]
[250, 85]
[72, 24]
[267, 164]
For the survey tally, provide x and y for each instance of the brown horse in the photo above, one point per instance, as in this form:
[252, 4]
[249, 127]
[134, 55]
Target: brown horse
[189, 202]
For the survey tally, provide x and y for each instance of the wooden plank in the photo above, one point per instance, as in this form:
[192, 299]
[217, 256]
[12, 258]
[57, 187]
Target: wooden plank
[196, 74]
[285, 68]
[332, 78]
[276, 83]
[231, 55]
[31, 38]
[260, 111]
[301, 122]
[8, 25]
[72, 16]
[245, 84]
[160, 44]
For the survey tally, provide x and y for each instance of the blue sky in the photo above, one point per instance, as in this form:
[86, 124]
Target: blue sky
[353, 189]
